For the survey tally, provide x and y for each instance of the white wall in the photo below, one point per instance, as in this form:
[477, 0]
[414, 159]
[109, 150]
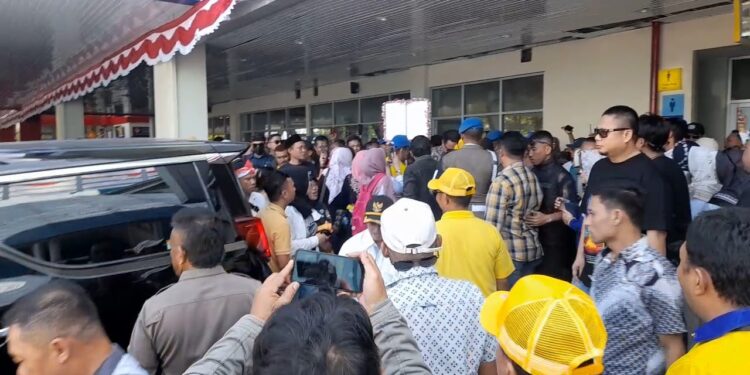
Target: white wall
[581, 78]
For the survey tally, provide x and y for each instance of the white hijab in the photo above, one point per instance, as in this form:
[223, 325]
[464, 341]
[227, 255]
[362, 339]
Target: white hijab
[339, 167]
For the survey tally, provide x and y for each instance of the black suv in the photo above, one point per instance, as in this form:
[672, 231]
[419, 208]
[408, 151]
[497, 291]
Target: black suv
[98, 212]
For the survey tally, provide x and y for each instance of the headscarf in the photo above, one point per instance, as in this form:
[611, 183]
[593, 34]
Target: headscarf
[301, 178]
[368, 164]
[369, 170]
[339, 167]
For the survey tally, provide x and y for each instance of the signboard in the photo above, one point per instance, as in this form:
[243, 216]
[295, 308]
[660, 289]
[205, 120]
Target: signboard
[670, 79]
[673, 105]
[406, 117]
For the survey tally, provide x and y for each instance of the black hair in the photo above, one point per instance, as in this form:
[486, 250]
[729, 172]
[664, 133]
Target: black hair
[326, 334]
[57, 309]
[203, 235]
[678, 127]
[273, 135]
[719, 242]
[273, 184]
[372, 144]
[543, 136]
[627, 116]
[461, 201]
[451, 135]
[513, 143]
[436, 140]
[420, 146]
[339, 142]
[474, 134]
[653, 130]
[353, 137]
[629, 200]
[321, 138]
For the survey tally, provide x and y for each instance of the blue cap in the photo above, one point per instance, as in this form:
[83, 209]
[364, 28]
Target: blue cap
[382, 141]
[470, 123]
[400, 141]
[494, 135]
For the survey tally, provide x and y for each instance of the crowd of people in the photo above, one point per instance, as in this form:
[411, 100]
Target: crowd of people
[623, 252]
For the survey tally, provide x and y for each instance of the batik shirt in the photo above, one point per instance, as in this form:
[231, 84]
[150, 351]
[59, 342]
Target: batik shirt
[443, 316]
[639, 298]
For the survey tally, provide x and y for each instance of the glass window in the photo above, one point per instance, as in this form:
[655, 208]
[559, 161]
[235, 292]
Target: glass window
[491, 122]
[346, 112]
[523, 94]
[482, 98]
[372, 109]
[447, 124]
[401, 96]
[260, 121]
[446, 101]
[297, 117]
[524, 122]
[741, 79]
[277, 120]
[246, 120]
[322, 114]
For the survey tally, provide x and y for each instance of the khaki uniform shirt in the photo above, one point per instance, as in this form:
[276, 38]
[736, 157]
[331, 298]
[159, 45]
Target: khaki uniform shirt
[179, 324]
[279, 234]
[477, 161]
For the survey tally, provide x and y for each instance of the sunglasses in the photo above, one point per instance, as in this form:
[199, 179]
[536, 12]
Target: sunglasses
[604, 133]
[275, 142]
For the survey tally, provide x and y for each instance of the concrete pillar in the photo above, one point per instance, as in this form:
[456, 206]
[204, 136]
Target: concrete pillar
[69, 120]
[181, 96]
[419, 82]
[235, 125]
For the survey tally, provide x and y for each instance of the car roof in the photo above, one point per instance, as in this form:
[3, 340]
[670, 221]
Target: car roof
[22, 157]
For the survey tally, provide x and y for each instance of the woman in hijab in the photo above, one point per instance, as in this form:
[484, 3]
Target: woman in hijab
[301, 215]
[369, 171]
[341, 194]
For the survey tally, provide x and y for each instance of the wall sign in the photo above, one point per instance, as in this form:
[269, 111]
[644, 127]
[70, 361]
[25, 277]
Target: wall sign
[670, 79]
[673, 105]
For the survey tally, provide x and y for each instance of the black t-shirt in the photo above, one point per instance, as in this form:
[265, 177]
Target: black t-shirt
[677, 190]
[638, 172]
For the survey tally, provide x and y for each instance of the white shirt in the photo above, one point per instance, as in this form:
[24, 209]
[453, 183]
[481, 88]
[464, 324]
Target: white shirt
[362, 241]
[259, 200]
[708, 143]
[301, 228]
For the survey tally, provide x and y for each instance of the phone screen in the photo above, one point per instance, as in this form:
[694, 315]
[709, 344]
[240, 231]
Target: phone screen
[321, 270]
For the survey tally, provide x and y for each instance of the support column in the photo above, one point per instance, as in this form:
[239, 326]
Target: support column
[235, 125]
[419, 82]
[181, 96]
[69, 120]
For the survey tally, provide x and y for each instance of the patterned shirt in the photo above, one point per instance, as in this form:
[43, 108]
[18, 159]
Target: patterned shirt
[443, 315]
[639, 298]
[512, 196]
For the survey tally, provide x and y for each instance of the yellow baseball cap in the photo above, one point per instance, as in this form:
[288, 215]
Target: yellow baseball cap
[455, 182]
[547, 326]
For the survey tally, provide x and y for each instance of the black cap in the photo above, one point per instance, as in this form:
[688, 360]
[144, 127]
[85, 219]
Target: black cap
[375, 208]
[577, 143]
[289, 142]
[695, 128]
[258, 137]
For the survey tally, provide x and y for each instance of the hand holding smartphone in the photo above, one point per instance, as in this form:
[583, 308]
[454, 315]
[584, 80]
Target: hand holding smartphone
[318, 272]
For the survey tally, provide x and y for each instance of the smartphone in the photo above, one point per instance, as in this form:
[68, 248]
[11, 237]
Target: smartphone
[317, 271]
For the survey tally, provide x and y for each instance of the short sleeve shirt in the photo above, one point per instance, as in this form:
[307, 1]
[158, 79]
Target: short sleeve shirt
[277, 229]
[443, 316]
[472, 250]
[639, 298]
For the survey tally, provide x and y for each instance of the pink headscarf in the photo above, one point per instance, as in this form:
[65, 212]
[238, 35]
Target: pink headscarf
[369, 171]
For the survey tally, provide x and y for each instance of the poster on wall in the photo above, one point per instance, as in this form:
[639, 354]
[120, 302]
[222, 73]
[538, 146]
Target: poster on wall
[406, 117]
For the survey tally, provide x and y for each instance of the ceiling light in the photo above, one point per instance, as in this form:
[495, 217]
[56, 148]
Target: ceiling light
[505, 36]
[381, 19]
[298, 42]
[644, 10]
[243, 60]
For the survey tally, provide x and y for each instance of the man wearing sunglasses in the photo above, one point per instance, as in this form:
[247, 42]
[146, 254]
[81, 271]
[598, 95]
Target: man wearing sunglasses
[625, 167]
[257, 154]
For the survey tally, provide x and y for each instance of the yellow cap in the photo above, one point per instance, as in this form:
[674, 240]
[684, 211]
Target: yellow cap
[547, 326]
[455, 182]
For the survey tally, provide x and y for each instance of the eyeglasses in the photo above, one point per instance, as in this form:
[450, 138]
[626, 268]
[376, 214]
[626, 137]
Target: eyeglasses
[275, 142]
[604, 133]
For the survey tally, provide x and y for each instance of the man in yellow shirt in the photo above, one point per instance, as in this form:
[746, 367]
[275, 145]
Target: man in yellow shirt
[714, 273]
[472, 248]
[280, 189]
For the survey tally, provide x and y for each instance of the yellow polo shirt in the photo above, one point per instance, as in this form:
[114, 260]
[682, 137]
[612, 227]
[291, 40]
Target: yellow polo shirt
[278, 232]
[716, 357]
[472, 250]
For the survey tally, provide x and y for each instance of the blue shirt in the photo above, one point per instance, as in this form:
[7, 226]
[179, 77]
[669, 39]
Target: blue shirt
[263, 161]
[723, 324]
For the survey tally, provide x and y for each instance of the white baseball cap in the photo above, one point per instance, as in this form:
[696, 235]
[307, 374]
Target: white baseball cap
[408, 227]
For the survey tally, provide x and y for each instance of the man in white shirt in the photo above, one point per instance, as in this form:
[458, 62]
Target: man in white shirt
[370, 239]
[697, 134]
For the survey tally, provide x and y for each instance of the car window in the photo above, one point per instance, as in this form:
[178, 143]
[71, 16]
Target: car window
[98, 217]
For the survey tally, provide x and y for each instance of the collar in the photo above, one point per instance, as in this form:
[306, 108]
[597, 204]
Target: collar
[461, 214]
[275, 207]
[723, 324]
[197, 273]
[632, 252]
[471, 145]
[110, 363]
[413, 273]
[514, 165]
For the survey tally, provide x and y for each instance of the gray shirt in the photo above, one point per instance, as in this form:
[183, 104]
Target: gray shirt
[180, 323]
[477, 161]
